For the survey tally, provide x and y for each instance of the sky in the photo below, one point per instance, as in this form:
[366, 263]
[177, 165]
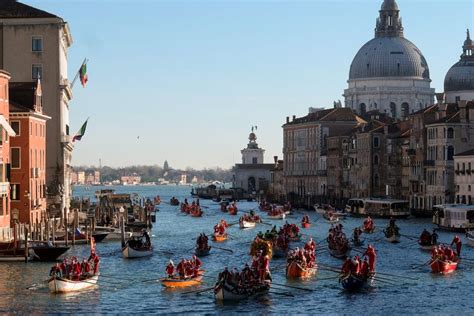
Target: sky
[184, 81]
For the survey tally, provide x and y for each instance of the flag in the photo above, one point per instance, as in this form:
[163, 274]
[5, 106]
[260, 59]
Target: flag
[83, 74]
[81, 132]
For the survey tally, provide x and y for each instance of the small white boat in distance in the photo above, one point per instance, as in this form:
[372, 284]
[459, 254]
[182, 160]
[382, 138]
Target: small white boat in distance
[470, 238]
[277, 216]
[245, 224]
[129, 252]
[63, 285]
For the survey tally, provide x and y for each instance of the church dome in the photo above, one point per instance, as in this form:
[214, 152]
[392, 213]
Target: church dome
[460, 76]
[389, 57]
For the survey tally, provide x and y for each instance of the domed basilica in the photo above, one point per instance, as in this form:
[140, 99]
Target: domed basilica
[389, 73]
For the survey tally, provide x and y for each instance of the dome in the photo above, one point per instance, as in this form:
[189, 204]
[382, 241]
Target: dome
[460, 76]
[389, 56]
[389, 5]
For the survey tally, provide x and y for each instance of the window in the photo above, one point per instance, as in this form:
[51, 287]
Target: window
[16, 127]
[15, 191]
[376, 142]
[254, 160]
[376, 159]
[37, 71]
[393, 109]
[15, 157]
[67, 130]
[37, 44]
[450, 152]
[405, 109]
[450, 132]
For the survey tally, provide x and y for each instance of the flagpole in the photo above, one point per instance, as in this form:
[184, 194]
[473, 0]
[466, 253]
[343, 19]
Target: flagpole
[78, 73]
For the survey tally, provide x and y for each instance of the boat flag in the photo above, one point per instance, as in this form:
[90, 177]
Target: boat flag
[81, 132]
[83, 74]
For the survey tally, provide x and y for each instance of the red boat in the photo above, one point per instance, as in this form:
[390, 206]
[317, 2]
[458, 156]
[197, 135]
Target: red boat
[444, 267]
[196, 213]
[295, 270]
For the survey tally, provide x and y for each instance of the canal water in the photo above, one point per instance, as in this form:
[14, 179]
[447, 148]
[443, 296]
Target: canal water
[130, 286]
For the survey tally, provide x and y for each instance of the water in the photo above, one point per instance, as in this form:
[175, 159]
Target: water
[23, 290]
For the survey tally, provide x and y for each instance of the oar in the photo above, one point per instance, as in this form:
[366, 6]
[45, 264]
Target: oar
[328, 278]
[282, 293]
[225, 249]
[422, 265]
[199, 291]
[293, 287]
[383, 281]
[266, 223]
[398, 276]
[409, 237]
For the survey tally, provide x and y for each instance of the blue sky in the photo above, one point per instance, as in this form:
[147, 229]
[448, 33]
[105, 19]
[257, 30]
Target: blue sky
[185, 80]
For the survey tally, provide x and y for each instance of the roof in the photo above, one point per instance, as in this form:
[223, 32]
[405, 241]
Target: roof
[22, 94]
[329, 115]
[460, 77]
[466, 153]
[10, 9]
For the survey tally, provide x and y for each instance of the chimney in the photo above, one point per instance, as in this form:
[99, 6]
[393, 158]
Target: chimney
[287, 119]
[294, 117]
[275, 159]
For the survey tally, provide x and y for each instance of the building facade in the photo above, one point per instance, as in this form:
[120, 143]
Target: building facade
[389, 73]
[35, 46]
[464, 177]
[28, 147]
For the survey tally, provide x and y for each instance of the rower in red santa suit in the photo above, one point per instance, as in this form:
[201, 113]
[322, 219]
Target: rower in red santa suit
[356, 265]
[94, 258]
[457, 241]
[346, 267]
[310, 245]
[264, 267]
[370, 253]
[364, 268]
[170, 269]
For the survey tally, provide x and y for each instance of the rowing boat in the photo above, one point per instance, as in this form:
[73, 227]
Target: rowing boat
[426, 246]
[306, 225]
[246, 224]
[129, 252]
[443, 267]
[353, 283]
[224, 292]
[202, 252]
[470, 239]
[58, 284]
[295, 270]
[277, 216]
[340, 253]
[219, 238]
[178, 282]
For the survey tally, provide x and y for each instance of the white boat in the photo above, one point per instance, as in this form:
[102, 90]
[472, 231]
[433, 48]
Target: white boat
[278, 216]
[222, 293]
[454, 217]
[63, 285]
[393, 239]
[245, 224]
[470, 239]
[129, 252]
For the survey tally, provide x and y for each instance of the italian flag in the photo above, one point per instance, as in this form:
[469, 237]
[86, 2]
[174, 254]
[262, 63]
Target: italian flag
[83, 74]
[81, 132]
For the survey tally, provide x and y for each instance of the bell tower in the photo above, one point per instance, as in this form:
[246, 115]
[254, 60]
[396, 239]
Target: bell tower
[252, 154]
[389, 23]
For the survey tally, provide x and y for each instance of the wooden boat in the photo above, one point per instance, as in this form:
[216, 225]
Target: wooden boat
[245, 224]
[393, 238]
[46, 251]
[352, 283]
[443, 267]
[62, 285]
[295, 270]
[178, 282]
[426, 246]
[219, 238]
[340, 254]
[197, 213]
[113, 233]
[174, 202]
[277, 216]
[306, 225]
[368, 231]
[135, 248]
[224, 293]
[202, 252]
[357, 243]
[232, 210]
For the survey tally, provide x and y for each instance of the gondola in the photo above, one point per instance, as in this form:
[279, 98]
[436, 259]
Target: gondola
[135, 248]
[357, 242]
[46, 251]
[340, 253]
[246, 224]
[426, 245]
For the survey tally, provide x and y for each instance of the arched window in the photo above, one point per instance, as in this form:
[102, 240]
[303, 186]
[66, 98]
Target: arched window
[405, 109]
[450, 132]
[376, 180]
[362, 108]
[393, 109]
[376, 159]
[450, 152]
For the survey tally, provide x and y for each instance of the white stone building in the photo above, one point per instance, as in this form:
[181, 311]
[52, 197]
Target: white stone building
[389, 74]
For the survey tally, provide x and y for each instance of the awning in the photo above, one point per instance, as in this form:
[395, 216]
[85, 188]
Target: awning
[6, 126]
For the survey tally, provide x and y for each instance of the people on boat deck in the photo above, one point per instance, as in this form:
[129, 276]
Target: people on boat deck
[56, 270]
[392, 228]
[220, 228]
[306, 257]
[305, 219]
[147, 238]
[356, 234]
[170, 269]
[202, 241]
[251, 217]
[74, 269]
[369, 224]
[443, 253]
[434, 237]
[336, 239]
[94, 260]
[370, 253]
[425, 237]
[357, 267]
[457, 241]
[185, 268]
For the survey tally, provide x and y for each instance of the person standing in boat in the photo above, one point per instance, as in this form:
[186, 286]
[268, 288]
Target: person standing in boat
[147, 238]
[56, 270]
[170, 269]
[434, 237]
[370, 253]
[457, 241]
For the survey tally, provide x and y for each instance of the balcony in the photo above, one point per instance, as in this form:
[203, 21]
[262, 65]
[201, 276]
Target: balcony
[429, 163]
[411, 152]
[4, 187]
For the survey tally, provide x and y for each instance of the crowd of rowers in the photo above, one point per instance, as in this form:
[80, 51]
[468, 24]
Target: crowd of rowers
[336, 239]
[202, 242]
[219, 228]
[446, 253]
[268, 207]
[250, 276]
[250, 217]
[73, 269]
[305, 257]
[194, 208]
[362, 269]
[186, 268]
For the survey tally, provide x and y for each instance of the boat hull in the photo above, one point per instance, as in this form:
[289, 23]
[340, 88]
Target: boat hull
[48, 253]
[178, 283]
[443, 267]
[294, 270]
[61, 285]
[129, 252]
[353, 283]
[426, 247]
[224, 295]
[339, 254]
[246, 225]
[279, 216]
[393, 239]
[470, 241]
[305, 225]
[202, 252]
[219, 238]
